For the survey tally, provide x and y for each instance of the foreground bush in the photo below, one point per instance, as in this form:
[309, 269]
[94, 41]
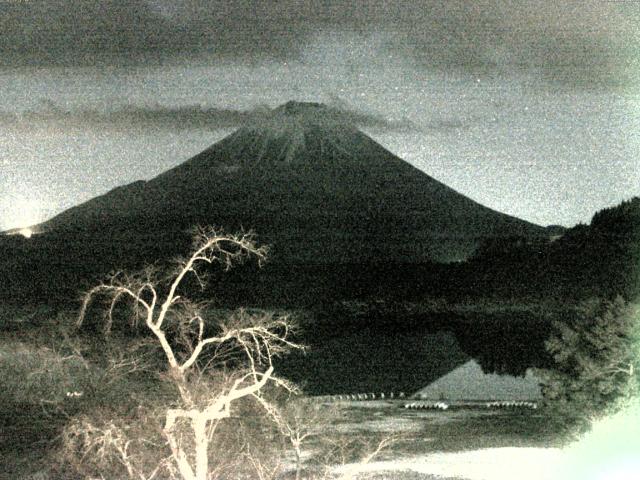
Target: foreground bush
[597, 365]
[40, 375]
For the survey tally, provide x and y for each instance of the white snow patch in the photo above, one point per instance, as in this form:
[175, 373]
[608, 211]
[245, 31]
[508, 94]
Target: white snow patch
[485, 464]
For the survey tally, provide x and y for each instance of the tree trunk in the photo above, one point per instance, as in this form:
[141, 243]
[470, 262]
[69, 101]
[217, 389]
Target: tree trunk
[298, 462]
[202, 447]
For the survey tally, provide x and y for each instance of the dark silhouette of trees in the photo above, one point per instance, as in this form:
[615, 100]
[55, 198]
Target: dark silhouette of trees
[595, 355]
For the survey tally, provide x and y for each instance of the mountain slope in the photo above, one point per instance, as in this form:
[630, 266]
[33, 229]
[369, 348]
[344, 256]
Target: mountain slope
[343, 215]
[310, 184]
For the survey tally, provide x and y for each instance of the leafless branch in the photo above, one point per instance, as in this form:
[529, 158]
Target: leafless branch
[260, 337]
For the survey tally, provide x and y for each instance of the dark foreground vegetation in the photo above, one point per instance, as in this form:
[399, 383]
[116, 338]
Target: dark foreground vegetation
[78, 403]
[73, 402]
[599, 259]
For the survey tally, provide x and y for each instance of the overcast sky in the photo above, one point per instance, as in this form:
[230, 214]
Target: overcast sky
[530, 107]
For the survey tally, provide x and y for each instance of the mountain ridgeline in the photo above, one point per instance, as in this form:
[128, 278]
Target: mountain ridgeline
[311, 185]
[307, 181]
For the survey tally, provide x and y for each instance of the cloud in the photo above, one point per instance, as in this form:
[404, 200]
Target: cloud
[182, 117]
[596, 39]
[77, 32]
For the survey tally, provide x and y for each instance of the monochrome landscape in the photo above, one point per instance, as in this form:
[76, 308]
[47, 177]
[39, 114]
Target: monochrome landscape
[291, 242]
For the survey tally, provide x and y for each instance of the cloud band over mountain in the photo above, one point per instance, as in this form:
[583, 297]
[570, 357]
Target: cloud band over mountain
[184, 117]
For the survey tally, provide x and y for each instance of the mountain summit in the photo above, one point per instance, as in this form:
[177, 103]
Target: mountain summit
[309, 183]
[293, 131]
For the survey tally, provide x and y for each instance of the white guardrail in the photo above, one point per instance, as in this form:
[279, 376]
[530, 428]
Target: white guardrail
[349, 397]
[422, 404]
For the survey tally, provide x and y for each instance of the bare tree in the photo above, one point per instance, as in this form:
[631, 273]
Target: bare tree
[300, 422]
[184, 335]
[310, 427]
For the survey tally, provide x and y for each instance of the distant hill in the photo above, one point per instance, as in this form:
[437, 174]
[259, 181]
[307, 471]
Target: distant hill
[601, 259]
